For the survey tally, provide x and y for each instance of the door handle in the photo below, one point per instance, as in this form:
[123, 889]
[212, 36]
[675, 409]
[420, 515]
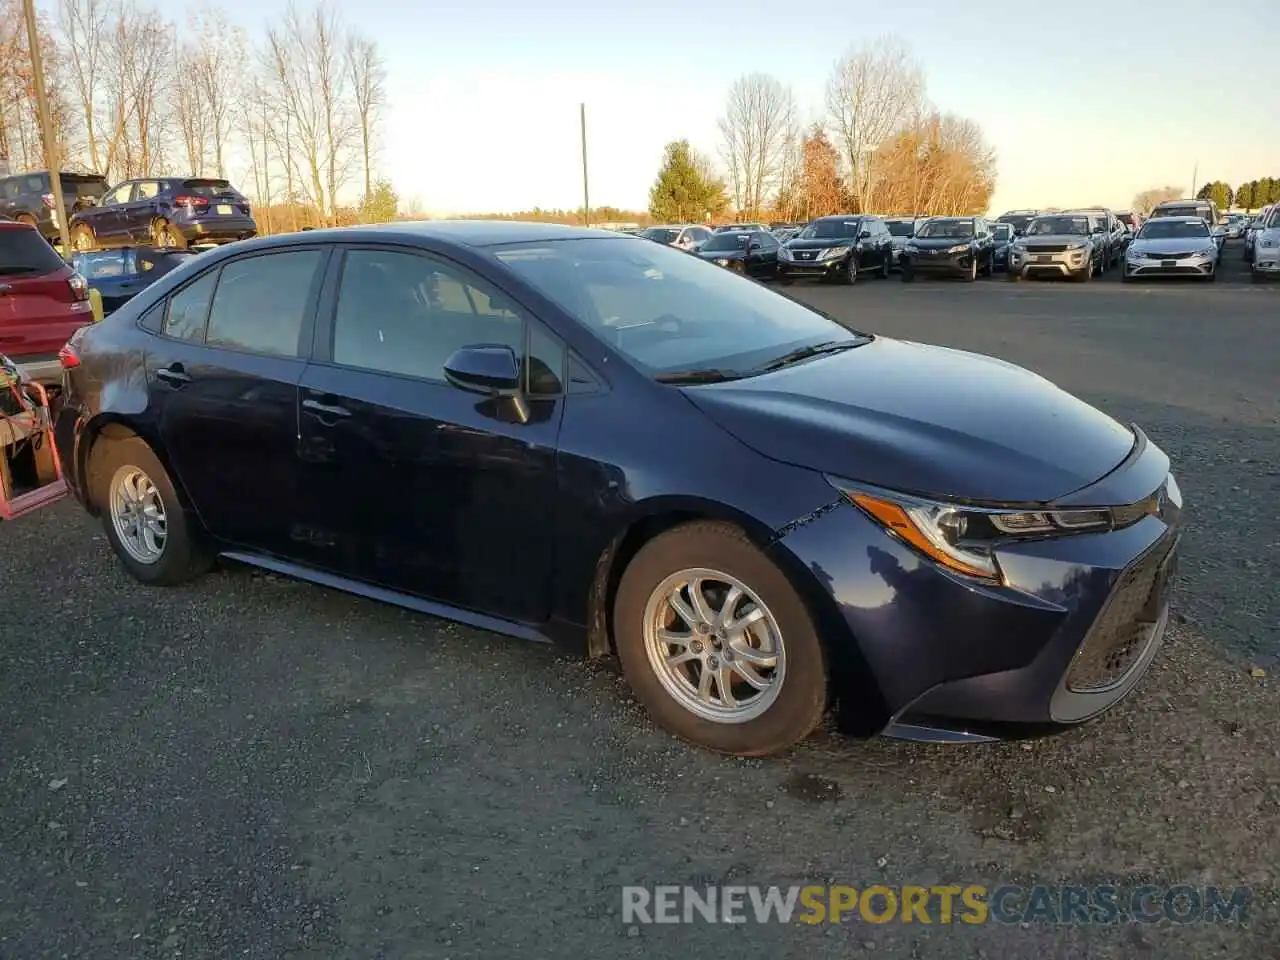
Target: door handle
[173, 374]
[323, 410]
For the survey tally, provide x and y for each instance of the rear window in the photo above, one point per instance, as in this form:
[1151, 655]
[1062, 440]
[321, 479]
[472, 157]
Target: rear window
[80, 187]
[209, 188]
[25, 251]
[1187, 211]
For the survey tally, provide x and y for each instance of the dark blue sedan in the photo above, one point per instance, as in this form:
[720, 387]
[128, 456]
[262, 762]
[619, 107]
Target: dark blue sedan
[121, 274]
[580, 437]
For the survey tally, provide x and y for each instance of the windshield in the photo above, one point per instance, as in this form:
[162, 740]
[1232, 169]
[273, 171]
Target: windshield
[668, 312]
[834, 229]
[1162, 229]
[24, 251]
[661, 234]
[901, 228]
[950, 229]
[1018, 221]
[103, 264]
[1058, 226]
[724, 242]
[1187, 211]
[1002, 231]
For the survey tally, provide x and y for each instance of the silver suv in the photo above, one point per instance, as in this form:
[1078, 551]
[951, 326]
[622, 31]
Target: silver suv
[1266, 247]
[1061, 245]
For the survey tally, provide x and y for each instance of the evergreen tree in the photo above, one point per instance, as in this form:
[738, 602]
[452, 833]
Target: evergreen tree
[685, 189]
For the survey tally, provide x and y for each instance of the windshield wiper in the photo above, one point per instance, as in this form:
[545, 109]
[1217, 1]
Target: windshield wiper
[689, 377]
[804, 353]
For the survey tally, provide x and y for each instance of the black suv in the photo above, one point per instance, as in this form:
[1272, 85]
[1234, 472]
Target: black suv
[28, 198]
[165, 212]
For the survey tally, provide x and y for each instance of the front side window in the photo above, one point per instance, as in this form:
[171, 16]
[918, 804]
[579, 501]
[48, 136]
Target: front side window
[185, 315]
[119, 195]
[148, 190]
[832, 230]
[406, 314]
[261, 302]
[661, 234]
[673, 316]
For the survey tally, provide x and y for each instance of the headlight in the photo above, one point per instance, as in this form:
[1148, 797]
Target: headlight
[1077, 247]
[959, 248]
[1135, 253]
[784, 254]
[964, 539]
[833, 253]
[1210, 251]
[910, 248]
[722, 263]
[1019, 248]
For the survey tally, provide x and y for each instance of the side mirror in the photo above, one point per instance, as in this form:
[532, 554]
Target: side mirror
[864, 235]
[489, 369]
[753, 246]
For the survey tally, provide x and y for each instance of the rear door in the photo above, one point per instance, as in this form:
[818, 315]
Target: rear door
[39, 308]
[414, 484]
[223, 377]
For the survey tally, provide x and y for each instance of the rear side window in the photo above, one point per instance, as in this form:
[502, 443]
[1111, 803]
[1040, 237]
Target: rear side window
[184, 319]
[23, 251]
[261, 302]
[75, 187]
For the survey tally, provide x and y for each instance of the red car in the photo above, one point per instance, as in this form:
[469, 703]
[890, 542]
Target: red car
[42, 301]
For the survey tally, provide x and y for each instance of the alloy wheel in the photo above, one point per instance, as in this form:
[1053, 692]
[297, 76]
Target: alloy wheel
[138, 515]
[714, 646]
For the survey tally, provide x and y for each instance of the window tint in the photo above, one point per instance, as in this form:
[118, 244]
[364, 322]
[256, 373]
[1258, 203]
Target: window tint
[407, 314]
[261, 302]
[188, 308]
[544, 368]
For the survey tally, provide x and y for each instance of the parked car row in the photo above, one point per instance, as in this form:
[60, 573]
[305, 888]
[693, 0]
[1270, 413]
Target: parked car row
[1262, 244]
[164, 212]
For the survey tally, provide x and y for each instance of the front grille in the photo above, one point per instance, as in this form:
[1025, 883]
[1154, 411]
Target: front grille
[805, 254]
[1122, 631]
[1048, 248]
[1168, 256]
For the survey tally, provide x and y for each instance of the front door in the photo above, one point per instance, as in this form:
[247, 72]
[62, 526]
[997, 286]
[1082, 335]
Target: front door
[413, 484]
[105, 219]
[223, 377]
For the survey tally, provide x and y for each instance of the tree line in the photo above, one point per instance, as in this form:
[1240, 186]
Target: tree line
[1247, 196]
[296, 111]
[880, 146]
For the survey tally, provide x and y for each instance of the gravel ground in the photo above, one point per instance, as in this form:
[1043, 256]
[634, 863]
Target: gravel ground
[253, 767]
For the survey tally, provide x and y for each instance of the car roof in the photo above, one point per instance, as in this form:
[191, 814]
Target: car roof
[472, 233]
[1181, 219]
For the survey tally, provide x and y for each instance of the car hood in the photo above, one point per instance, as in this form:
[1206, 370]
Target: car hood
[824, 243]
[738, 254]
[923, 419]
[1054, 239]
[1173, 245]
[940, 243]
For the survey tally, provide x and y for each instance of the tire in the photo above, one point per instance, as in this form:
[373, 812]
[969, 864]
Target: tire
[972, 275]
[1013, 276]
[1085, 275]
[1211, 277]
[1125, 276]
[1255, 276]
[181, 557]
[82, 238]
[884, 268]
[787, 713]
[908, 275]
[851, 271]
[165, 236]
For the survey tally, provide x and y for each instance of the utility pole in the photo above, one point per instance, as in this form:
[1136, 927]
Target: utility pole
[51, 159]
[586, 196]
[1195, 173]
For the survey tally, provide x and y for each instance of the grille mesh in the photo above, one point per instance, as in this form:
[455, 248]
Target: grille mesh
[1121, 633]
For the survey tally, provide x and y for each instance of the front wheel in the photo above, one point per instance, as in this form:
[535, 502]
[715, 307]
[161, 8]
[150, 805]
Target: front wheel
[972, 275]
[908, 275]
[82, 238]
[851, 271]
[145, 522]
[884, 267]
[717, 644]
[1085, 275]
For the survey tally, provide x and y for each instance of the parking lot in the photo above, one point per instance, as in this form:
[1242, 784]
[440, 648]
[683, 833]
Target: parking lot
[256, 767]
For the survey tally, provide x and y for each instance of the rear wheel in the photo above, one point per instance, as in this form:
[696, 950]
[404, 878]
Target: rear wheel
[145, 523]
[717, 644]
[166, 236]
[82, 238]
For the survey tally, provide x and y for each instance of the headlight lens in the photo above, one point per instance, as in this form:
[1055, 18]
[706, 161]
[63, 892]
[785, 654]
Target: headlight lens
[1209, 251]
[784, 253]
[958, 248]
[910, 248]
[964, 539]
[833, 253]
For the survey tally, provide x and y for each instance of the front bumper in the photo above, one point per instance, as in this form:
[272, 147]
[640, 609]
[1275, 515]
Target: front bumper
[1063, 263]
[812, 269]
[1197, 266]
[1266, 259]
[1070, 633]
[950, 264]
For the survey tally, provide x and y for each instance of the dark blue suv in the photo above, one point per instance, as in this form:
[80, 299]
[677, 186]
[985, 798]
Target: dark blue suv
[164, 212]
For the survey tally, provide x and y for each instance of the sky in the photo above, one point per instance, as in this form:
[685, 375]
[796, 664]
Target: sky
[1086, 103]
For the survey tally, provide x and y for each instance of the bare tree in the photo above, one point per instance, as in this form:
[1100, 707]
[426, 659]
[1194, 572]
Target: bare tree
[871, 94]
[140, 55]
[216, 68]
[305, 58]
[757, 135]
[85, 27]
[368, 85]
[190, 110]
[1148, 200]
